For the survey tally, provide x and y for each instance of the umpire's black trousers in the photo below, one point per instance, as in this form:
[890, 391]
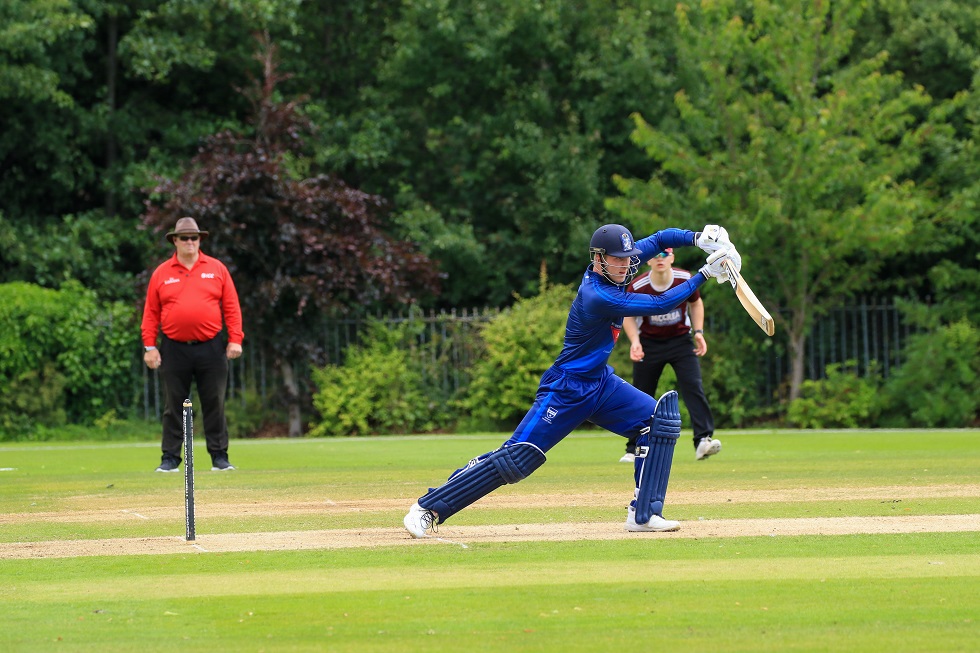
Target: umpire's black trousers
[677, 352]
[206, 364]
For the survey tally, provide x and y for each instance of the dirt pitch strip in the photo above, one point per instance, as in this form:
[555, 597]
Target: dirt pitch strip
[461, 535]
[468, 535]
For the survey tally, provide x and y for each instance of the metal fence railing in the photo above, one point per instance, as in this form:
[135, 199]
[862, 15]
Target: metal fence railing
[864, 336]
[449, 339]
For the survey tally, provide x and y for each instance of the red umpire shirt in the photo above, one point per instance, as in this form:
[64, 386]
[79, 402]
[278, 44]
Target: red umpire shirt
[673, 323]
[189, 304]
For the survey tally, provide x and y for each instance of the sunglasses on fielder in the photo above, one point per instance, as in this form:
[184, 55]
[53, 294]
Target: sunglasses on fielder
[661, 255]
[186, 238]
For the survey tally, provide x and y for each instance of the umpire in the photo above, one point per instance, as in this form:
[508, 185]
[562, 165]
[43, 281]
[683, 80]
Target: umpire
[188, 297]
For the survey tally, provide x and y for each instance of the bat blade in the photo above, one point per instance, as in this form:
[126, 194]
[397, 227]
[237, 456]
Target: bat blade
[749, 301]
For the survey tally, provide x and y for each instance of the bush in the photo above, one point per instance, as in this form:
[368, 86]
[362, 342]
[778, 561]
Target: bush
[250, 416]
[730, 373]
[64, 357]
[383, 387]
[842, 400]
[108, 428]
[521, 343]
[936, 386]
[34, 398]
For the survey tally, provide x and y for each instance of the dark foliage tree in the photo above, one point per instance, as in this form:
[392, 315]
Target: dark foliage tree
[300, 246]
[495, 129]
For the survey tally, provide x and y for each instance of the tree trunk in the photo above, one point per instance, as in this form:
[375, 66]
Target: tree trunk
[797, 350]
[292, 399]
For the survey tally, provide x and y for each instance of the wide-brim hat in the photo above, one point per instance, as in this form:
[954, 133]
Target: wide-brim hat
[186, 227]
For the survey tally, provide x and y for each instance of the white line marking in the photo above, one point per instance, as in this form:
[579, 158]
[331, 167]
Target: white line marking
[135, 514]
[442, 539]
[8, 469]
[200, 548]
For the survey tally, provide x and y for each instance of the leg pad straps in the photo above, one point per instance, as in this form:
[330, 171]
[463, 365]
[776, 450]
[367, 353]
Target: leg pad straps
[482, 476]
[654, 455]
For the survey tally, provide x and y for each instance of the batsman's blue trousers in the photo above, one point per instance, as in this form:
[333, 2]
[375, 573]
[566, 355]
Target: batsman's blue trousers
[565, 401]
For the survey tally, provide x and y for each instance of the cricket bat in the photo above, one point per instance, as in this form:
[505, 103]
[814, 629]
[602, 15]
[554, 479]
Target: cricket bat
[750, 302]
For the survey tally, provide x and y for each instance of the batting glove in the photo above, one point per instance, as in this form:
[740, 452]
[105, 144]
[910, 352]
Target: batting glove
[712, 238]
[734, 257]
[714, 267]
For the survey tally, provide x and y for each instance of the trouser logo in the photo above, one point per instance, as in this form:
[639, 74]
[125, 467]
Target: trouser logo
[550, 414]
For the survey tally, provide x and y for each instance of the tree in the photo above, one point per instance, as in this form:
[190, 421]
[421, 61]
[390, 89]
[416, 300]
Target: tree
[954, 239]
[801, 152]
[495, 129]
[299, 246]
[44, 135]
[936, 43]
[94, 94]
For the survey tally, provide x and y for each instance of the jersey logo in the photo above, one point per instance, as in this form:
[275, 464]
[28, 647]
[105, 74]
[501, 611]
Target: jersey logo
[667, 319]
[207, 275]
[170, 281]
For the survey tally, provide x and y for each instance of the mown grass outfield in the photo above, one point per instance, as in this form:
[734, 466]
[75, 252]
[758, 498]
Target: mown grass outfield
[790, 541]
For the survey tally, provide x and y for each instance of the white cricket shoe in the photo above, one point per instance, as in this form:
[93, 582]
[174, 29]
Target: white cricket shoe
[627, 457]
[657, 524]
[419, 520]
[707, 447]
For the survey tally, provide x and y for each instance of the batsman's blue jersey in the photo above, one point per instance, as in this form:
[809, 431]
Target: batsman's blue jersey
[580, 386]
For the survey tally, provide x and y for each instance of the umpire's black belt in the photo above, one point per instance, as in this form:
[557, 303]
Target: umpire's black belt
[190, 342]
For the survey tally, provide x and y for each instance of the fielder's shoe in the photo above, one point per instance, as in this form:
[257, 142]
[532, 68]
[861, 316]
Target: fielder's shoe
[627, 457]
[657, 524]
[221, 464]
[419, 520]
[707, 447]
[169, 464]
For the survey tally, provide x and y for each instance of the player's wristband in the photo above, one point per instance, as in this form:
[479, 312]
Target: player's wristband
[701, 331]
[150, 348]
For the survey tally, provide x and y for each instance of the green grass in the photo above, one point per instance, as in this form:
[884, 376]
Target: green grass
[896, 592]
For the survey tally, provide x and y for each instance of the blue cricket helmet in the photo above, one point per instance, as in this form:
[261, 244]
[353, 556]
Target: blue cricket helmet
[615, 240]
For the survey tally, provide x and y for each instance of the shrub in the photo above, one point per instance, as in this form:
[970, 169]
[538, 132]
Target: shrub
[936, 386]
[382, 387]
[521, 343]
[34, 398]
[728, 383]
[249, 416]
[842, 400]
[108, 428]
[64, 356]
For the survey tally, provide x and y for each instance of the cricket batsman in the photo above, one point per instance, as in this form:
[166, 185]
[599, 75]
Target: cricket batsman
[581, 387]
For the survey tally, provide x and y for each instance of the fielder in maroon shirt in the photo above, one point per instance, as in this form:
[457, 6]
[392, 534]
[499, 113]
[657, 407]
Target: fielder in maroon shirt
[190, 298]
[660, 340]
